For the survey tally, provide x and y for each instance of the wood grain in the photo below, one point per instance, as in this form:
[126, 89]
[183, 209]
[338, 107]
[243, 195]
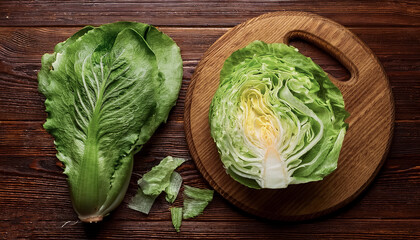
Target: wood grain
[37, 174]
[367, 97]
[214, 13]
[20, 62]
[34, 200]
[362, 229]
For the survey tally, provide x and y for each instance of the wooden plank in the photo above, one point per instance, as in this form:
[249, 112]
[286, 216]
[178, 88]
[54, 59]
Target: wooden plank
[328, 229]
[21, 50]
[31, 180]
[35, 188]
[28, 138]
[28, 44]
[22, 101]
[201, 13]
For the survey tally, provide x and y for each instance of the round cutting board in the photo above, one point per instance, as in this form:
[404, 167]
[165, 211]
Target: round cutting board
[367, 96]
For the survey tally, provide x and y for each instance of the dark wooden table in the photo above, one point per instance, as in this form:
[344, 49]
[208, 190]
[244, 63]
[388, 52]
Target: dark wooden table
[34, 199]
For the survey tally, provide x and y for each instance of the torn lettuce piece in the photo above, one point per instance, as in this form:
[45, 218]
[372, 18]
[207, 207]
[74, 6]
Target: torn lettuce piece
[161, 178]
[195, 201]
[158, 179]
[142, 202]
[173, 189]
[176, 216]
[198, 193]
[193, 207]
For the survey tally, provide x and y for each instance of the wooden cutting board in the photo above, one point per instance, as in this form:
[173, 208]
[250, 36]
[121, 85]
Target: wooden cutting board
[367, 97]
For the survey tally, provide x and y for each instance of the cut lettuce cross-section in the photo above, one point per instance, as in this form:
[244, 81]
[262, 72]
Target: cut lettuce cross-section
[276, 118]
[107, 90]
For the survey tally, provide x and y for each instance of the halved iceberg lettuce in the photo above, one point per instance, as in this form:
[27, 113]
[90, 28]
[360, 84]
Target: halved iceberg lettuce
[276, 118]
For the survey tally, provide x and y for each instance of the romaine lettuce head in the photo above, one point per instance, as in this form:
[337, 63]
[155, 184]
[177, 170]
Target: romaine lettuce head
[107, 89]
[276, 118]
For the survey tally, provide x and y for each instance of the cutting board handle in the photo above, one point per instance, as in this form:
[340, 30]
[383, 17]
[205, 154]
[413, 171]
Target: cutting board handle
[336, 41]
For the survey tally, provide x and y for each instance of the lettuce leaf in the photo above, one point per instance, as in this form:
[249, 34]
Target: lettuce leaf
[195, 201]
[176, 216]
[107, 89]
[142, 202]
[161, 178]
[158, 179]
[198, 193]
[173, 189]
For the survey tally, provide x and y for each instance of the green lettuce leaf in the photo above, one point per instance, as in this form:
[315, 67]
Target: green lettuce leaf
[173, 189]
[195, 201]
[161, 178]
[276, 118]
[158, 179]
[107, 89]
[142, 202]
[176, 216]
[198, 193]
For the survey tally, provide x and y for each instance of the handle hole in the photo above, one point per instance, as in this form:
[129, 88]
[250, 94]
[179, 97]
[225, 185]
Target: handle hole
[327, 62]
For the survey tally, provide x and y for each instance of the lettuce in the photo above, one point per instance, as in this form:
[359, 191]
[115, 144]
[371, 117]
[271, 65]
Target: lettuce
[142, 202]
[195, 201]
[176, 216]
[276, 118]
[158, 179]
[107, 90]
[174, 186]
[161, 178]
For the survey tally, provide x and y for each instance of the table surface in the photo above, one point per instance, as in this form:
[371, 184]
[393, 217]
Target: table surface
[34, 199]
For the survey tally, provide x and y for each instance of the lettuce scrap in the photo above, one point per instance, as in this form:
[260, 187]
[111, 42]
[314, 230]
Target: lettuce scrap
[173, 189]
[176, 216]
[161, 178]
[195, 201]
[158, 179]
[142, 202]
